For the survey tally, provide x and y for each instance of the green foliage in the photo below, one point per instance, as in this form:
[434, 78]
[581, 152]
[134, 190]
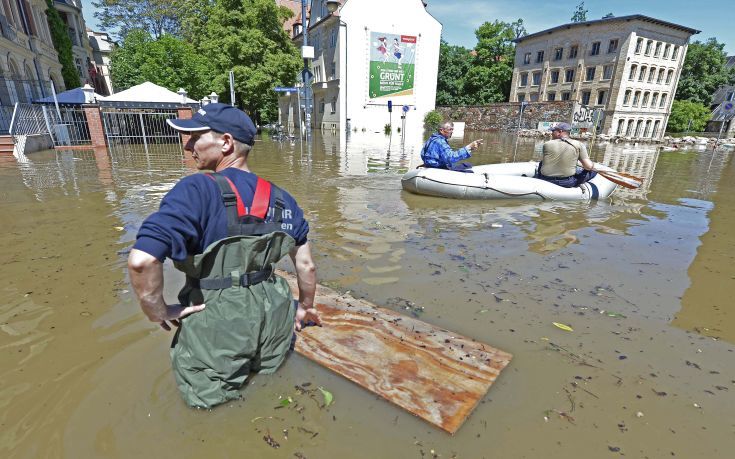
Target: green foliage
[704, 71]
[246, 36]
[167, 61]
[580, 14]
[62, 43]
[685, 111]
[483, 75]
[157, 17]
[432, 120]
[454, 64]
[387, 129]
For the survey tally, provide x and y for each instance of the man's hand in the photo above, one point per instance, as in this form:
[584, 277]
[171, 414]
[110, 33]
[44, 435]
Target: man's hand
[306, 316]
[176, 312]
[474, 144]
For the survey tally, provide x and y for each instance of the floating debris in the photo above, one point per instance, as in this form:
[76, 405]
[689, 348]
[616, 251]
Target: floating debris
[563, 326]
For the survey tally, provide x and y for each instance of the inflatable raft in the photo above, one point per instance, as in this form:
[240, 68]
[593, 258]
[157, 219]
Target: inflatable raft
[501, 181]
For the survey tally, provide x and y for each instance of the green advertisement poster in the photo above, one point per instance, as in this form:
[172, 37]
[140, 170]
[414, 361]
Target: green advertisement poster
[392, 61]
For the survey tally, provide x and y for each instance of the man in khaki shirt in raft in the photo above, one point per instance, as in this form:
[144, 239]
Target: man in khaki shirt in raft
[560, 156]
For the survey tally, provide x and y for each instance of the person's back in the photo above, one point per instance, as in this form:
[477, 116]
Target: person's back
[560, 157]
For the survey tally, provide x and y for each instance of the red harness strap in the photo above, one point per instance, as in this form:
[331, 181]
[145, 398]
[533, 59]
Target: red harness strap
[261, 200]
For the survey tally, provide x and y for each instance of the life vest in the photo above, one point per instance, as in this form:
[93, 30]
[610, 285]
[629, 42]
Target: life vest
[247, 325]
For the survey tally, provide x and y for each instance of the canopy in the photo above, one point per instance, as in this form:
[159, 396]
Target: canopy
[70, 97]
[145, 95]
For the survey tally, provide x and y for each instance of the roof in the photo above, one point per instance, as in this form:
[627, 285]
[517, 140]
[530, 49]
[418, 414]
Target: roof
[145, 95]
[70, 97]
[730, 61]
[631, 17]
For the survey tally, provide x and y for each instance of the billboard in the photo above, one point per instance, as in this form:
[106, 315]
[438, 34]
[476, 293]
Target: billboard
[392, 62]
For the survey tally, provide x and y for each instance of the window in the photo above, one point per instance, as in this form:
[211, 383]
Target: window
[536, 78]
[638, 127]
[626, 99]
[524, 80]
[675, 52]
[644, 104]
[663, 101]
[657, 52]
[558, 54]
[551, 97]
[629, 131]
[669, 76]
[633, 69]
[660, 78]
[566, 95]
[642, 75]
[321, 107]
[521, 97]
[667, 48]
[333, 106]
[527, 58]
[612, 46]
[539, 57]
[569, 76]
[621, 125]
[534, 97]
[333, 71]
[590, 73]
[586, 97]
[573, 51]
[639, 46]
[648, 128]
[601, 97]
[333, 38]
[649, 44]
[656, 127]
[595, 49]
[651, 74]
[607, 72]
[654, 100]
[554, 76]
[636, 98]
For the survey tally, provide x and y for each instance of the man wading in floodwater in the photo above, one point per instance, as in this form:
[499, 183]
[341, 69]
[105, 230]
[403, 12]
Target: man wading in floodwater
[225, 231]
[438, 154]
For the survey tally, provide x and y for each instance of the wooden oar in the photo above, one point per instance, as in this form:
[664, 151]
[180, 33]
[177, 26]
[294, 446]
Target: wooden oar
[625, 180]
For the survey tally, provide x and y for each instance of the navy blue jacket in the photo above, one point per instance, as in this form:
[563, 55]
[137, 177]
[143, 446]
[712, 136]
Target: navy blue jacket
[192, 216]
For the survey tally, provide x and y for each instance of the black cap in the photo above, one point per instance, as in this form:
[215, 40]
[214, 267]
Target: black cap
[221, 118]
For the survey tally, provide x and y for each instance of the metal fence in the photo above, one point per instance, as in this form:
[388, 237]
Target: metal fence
[140, 126]
[66, 125]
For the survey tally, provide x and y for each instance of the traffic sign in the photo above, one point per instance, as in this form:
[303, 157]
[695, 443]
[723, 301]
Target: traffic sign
[728, 107]
[406, 108]
[282, 89]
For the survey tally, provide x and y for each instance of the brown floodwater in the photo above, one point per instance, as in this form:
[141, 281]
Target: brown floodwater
[644, 279]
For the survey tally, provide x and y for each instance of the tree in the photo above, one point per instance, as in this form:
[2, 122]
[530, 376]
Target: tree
[157, 17]
[495, 54]
[167, 61]
[704, 71]
[687, 115]
[580, 14]
[62, 44]
[454, 64]
[247, 36]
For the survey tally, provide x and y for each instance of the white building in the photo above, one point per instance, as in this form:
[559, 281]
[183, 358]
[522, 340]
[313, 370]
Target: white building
[367, 53]
[102, 46]
[627, 67]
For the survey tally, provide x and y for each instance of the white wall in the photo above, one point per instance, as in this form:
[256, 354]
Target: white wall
[405, 17]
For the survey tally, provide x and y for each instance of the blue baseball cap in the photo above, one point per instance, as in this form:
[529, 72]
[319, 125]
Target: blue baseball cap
[561, 127]
[221, 118]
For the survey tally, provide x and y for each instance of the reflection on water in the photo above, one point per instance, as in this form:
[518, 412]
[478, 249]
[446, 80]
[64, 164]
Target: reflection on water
[84, 375]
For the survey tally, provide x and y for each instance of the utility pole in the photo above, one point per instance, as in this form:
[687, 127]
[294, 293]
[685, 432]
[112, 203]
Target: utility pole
[307, 53]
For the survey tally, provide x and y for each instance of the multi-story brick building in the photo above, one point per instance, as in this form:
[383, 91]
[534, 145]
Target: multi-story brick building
[628, 67]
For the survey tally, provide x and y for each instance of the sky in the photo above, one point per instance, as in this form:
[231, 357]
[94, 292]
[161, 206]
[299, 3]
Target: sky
[460, 18]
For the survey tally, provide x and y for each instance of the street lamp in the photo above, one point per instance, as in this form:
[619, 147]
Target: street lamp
[332, 5]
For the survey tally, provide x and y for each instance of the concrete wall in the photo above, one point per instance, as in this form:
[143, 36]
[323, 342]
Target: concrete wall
[505, 116]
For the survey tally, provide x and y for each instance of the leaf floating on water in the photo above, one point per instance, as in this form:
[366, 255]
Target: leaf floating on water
[119, 228]
[286, 401]
[328, 397]
[563, 326]
[616, 315]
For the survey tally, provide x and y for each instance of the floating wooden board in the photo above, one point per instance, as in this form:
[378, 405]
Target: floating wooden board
[435, 374]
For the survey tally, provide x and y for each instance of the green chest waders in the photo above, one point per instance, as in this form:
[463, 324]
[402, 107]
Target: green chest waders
[248, 322]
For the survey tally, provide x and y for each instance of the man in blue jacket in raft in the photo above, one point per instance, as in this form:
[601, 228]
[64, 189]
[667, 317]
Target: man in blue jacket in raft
[225, 230]
[438, 154]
